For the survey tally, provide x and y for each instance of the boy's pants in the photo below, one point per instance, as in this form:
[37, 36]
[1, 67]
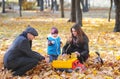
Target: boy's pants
[53, 57]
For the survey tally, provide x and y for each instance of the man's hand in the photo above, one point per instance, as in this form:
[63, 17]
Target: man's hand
[42, 58]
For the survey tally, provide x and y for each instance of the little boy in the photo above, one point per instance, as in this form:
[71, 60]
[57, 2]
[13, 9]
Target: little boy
[54, 44]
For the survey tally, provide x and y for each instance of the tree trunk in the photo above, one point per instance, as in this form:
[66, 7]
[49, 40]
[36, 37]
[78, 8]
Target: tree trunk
[54, 5]
[62, 8]
[78, 13]
[41, 5]
[73, 12]
[83, 5]
[117, 17]
[20, 9]
[51, 4]
[38, 2]
[3, 6]
[48, 3]
[86, 6]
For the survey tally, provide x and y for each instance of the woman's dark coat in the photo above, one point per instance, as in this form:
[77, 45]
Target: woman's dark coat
[82, 48]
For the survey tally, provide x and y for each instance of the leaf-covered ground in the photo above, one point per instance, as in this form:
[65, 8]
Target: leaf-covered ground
[100, 34]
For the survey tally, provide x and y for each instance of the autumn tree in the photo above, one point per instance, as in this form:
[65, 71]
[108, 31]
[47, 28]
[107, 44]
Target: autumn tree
[41, 5]
[76, 12]
[38, 2]
[3, 6]
[20, 9]
[54, 5]
[117, 16]
[62, 8]
[85, 5]
[47, 3]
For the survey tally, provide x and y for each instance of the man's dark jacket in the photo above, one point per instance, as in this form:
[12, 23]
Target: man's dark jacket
[21, 47]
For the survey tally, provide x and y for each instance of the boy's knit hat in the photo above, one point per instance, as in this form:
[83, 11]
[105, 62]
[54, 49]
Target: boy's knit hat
[54, 30]
[31, 30]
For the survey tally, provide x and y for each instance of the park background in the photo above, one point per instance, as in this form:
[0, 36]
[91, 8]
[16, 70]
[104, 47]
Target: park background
[95, 24]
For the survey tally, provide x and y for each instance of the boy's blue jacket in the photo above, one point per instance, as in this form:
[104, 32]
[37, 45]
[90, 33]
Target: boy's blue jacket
[54, 48]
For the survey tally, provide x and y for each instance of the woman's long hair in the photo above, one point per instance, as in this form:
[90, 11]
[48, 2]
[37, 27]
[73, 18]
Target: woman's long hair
[80, 34]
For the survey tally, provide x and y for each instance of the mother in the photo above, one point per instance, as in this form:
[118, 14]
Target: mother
[77, 43]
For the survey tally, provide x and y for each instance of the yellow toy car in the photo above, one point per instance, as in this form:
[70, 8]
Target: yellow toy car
[70, 63]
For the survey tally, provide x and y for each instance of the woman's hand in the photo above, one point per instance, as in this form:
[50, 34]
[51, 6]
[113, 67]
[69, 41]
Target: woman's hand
[64, 55]
[77, 53]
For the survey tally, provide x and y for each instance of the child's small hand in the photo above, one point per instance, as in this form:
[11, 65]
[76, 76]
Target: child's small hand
[52, 42]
